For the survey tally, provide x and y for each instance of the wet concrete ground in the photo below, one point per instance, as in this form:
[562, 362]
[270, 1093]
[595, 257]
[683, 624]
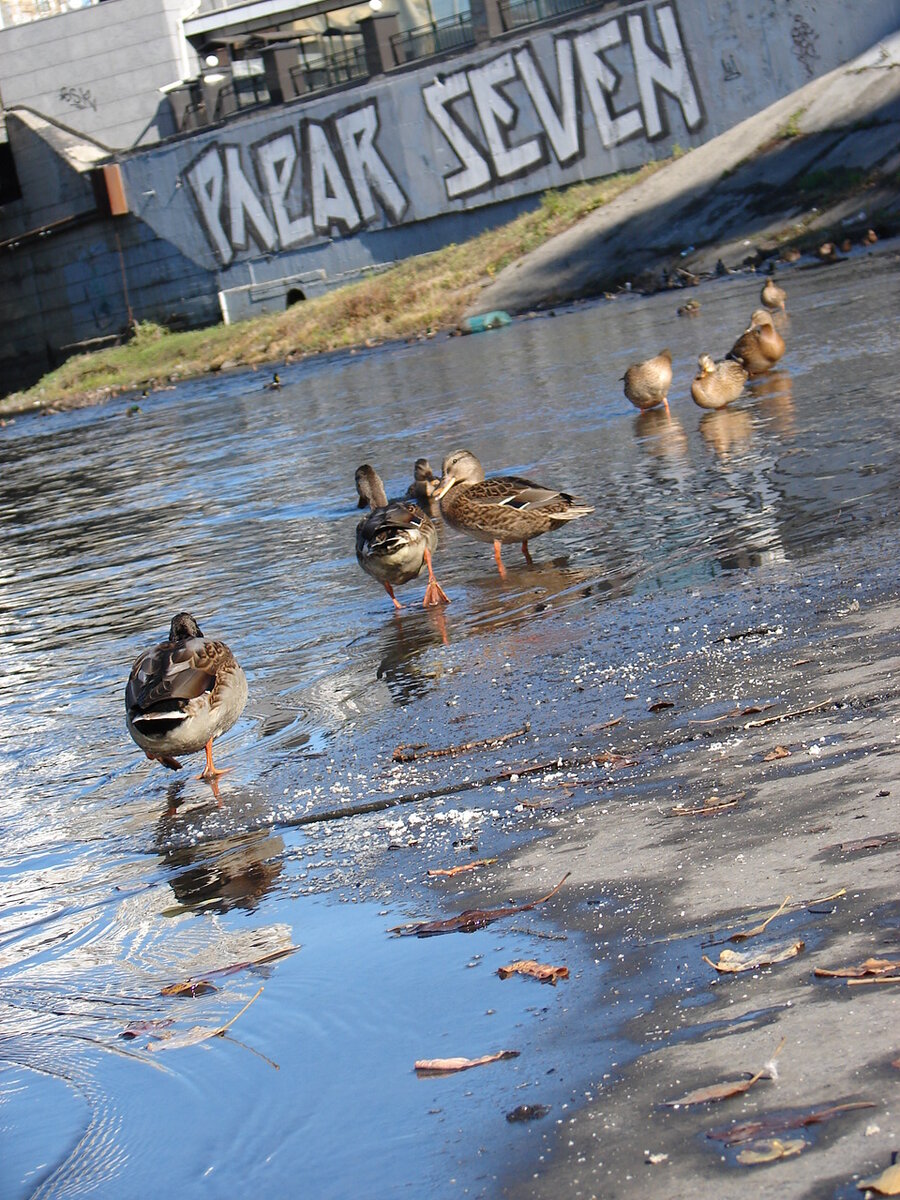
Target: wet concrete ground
[741, 563]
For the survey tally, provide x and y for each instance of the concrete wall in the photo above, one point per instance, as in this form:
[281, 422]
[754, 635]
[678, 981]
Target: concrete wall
[533, 111]
[98, 70]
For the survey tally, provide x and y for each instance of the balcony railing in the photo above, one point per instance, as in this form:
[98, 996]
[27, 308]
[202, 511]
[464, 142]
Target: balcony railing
[425, 41]
[516, 13]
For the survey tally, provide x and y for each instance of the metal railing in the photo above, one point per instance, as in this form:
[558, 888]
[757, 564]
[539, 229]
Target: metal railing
[425, 41]
[516, 13]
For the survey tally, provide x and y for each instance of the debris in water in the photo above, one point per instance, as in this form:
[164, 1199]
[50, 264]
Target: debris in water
[201, 987]
[200, 1033]
[472, 918]
[777, 752]
[449, 1066]
[724, 1091]
[469, 866]
[540, 971]
[765, 1127]
[730, 962]
[410, 753]
[761, 928]
[770, 1150]
[528, 1112]
[871, 967]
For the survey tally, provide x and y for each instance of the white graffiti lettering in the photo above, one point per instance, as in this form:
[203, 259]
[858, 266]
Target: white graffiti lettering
[292, 197]
[623, 103]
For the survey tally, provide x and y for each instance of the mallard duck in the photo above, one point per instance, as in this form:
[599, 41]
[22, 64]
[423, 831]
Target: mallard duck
[424, 482]
[772, 295]
[395, 540]
[183, 693]
[274, 383]
[501, 510]
[647, 383]
[760, 346]
[718, 383]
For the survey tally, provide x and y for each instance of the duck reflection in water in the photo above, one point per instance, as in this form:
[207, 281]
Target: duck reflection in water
[224, 873]
[660, 434]
[774, 393]
[405, 640]
[728, 431]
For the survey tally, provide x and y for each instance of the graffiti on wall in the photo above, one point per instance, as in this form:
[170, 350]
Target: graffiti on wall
[497, 121]
[488, 154]
[324, 176]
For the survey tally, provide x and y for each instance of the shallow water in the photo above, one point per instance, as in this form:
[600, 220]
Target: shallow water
[118, 878]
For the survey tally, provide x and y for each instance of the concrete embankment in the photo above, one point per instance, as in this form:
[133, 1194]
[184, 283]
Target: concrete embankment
[822, 161]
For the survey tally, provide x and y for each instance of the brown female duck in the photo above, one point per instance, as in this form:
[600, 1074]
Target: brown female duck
[647, 383]
[760, 346]
[183, 693]
[501, 510]
[396, 540]
[718, 383]
[772, 295]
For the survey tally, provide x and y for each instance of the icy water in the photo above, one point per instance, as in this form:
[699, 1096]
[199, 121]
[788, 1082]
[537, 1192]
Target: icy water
[119, 879]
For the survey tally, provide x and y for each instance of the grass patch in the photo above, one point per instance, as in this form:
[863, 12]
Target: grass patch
[791, 128]
[419, 295]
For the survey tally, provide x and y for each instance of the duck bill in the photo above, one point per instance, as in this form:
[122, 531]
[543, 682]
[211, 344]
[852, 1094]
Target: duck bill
[443, 487]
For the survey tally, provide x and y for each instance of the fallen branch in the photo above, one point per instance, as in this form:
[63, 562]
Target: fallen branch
[472, 918]
[796, 712]
[412, 753]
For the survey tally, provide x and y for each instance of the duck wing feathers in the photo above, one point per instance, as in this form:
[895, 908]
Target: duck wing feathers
[171, 674]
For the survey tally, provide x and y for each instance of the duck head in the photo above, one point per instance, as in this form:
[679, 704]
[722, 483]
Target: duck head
[183, 626]
[459, 467]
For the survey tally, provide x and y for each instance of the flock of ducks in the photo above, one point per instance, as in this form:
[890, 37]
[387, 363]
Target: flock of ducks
[186, 691]
[717, 384]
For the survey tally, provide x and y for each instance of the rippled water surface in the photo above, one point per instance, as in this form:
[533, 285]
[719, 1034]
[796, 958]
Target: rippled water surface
[118, 878]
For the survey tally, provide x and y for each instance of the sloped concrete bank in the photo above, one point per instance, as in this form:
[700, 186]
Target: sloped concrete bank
[822, 162]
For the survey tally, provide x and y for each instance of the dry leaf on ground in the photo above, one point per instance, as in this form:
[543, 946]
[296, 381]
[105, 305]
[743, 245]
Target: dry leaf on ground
[777, 752]
[469, 866]
[540, 971]
[885, 1184]
[722, 1091]
[472, 918]
[875, 842]
[713, 805]
[872, 966]
[449, 1066]
[770, 1150]
[761, 928]
[659, 705]
[730, 962]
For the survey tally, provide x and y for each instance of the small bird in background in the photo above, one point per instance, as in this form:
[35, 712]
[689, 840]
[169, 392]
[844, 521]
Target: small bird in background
[773, 296]
[424, 482]
[647, 383]
[274, 383]
[718, 383]
[182, 694]
[395, 540]
[503, 509]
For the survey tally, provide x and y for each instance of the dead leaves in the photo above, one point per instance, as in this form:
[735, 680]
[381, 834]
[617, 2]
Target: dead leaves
[875, 842]
[770, 1150]
[873, 970]
[885, 1184]
[539, 971]
[731, 963]
[777, 752]
[199, 1033]
[450, 1066]
[462, 868]
[472, 918]
[659, 706]
[723, 1091]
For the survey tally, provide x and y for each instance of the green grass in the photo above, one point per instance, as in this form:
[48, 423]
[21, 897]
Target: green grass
[416, 297]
